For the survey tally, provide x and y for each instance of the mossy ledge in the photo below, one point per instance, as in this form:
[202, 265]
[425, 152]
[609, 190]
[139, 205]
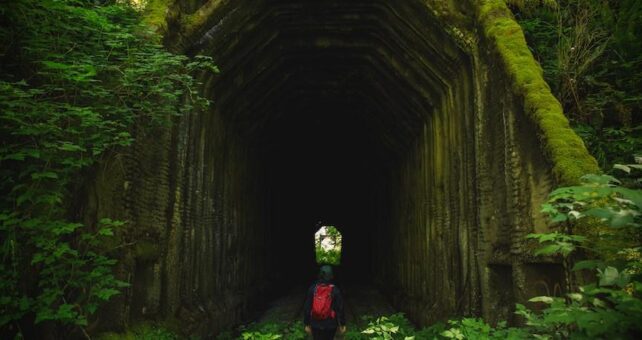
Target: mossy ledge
[566, 150]
[167, 18]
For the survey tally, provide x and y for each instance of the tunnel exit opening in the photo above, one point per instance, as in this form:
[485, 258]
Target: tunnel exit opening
[328, 243]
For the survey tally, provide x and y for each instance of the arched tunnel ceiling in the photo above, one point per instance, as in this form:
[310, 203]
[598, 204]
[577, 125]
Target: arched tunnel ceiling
[374, 64]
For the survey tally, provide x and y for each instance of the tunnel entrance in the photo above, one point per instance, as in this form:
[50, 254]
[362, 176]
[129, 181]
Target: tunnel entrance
[380, 116]
[360, 112]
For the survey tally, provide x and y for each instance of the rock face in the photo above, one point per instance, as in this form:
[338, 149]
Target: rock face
[421, 129]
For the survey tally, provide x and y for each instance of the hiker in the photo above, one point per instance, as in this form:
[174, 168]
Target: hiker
[323, 310]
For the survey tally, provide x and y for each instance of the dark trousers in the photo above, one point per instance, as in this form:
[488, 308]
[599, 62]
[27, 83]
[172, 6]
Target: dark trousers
[323, 334]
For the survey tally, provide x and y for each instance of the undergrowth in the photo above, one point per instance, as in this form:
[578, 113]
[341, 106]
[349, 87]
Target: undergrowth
[590, 51]
[78, 81]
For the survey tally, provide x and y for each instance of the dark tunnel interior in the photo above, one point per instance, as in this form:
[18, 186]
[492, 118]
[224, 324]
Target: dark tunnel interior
[333, 102]
[327, 144]
[324, 165]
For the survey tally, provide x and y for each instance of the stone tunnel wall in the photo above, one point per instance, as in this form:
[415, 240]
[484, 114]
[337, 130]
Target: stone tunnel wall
[454, 209]
[428, 240]
[471, 187]
[194, 248]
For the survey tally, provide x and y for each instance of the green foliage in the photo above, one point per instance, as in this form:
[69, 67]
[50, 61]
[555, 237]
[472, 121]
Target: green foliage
[590, 53]
[327, 245]
[273, 331]
[599, 197]
[603, 310]
[472, 328]
[568, 155]
[391, 327]
[77, 79]
[332, 256]
[608, 307]
[531, 5]
[557, 243]
[610, 145]
[143, 331]
[384, 328]
[611, 305]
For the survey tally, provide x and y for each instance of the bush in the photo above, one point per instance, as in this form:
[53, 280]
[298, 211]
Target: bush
[589, 50]
[274, 331]
[76, 78]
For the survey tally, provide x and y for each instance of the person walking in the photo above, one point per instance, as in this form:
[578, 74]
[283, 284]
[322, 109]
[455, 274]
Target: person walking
[323, 311]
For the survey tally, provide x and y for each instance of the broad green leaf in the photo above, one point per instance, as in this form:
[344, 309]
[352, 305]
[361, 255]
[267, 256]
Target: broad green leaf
[601, 213]
[66, 228]
[622, 218]
[106, 294]
[544, 299]
[575, 296]
[587, 264]
[600, 179]
[548, 250]
[622, 167]
[608, 276]
[46, 174]
[70, 147]
[559, 218]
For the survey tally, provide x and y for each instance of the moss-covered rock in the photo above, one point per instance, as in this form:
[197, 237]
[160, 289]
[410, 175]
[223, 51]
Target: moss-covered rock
[566, 150]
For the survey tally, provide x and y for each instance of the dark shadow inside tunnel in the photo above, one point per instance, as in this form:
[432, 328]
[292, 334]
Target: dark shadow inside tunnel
[323, 167]
[357, 113]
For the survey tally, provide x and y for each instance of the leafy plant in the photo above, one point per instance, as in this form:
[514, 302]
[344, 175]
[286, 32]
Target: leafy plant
[383, 329]
[78, 82]
[531, 5]
[610, 145]
[611, 305]
[273, 331]
[144, 331]
[590, 53]
[327, 245]
[473, 328]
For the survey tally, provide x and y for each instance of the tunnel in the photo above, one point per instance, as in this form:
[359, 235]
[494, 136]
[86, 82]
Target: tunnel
[337, 109]
[401, 122]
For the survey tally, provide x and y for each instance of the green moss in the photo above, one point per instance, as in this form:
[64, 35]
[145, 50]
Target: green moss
[155, 13]
[566, 150]
[193, 23]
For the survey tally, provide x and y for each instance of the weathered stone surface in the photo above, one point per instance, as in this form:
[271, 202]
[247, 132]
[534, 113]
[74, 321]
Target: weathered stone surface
[422, 129]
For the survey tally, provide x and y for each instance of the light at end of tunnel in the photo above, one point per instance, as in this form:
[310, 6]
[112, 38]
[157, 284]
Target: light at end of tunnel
[327, 245]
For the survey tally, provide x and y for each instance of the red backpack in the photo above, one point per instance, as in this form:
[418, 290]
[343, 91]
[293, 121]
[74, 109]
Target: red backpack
[322, 302]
